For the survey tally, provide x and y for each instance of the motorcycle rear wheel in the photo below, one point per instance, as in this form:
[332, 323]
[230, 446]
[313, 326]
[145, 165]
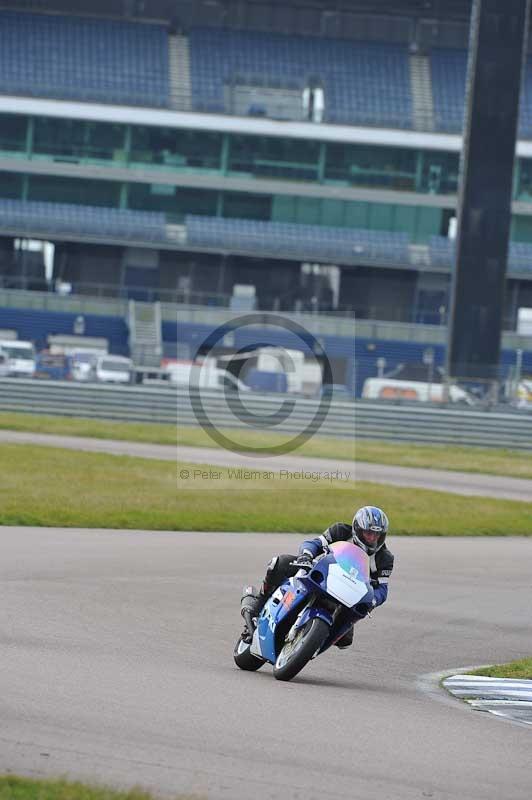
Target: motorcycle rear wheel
[244, 659]
[297, 653]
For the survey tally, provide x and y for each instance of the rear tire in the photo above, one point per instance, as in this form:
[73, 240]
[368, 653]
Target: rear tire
[244, 659]
[296, 654]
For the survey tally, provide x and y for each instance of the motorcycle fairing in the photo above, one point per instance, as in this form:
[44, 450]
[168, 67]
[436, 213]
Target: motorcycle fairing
[283, 601]
[312, 613]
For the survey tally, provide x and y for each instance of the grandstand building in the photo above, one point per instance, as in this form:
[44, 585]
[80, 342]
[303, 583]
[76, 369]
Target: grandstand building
[172, 151]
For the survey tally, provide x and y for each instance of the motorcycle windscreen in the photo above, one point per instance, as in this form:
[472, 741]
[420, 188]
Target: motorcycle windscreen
[348, 577]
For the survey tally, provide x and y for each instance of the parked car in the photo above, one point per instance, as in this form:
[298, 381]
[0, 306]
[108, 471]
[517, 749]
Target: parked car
[112, 369]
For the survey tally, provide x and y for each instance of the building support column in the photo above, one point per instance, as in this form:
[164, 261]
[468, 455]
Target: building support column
[496, 59]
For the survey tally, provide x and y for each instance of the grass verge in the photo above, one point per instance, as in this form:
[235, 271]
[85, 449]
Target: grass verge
[53, 487]
[521, 669]
[15, 788]
[513, 463]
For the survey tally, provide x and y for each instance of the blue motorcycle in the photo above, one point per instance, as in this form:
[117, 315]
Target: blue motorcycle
[309, 612]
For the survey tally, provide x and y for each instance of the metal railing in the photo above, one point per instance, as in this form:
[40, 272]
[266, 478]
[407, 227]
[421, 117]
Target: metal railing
[364, 420]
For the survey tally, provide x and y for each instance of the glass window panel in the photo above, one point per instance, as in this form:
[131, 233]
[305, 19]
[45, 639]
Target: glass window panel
[174, 201]
[247, 206]
[524, 189]
[283, 208]
[13, 129]
[440, 172]
[274, 157]
[78, 140]
[376, 167]
[104, 140]
[175, 148]
[197, 201]
[308, 211]
[11, 185]
[74, 190]
[333, 213]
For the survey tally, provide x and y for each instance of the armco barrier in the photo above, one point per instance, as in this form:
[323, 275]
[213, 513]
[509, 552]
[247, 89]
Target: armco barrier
[368, 420]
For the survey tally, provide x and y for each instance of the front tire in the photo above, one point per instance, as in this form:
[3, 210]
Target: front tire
[297, 653]
[244, 659]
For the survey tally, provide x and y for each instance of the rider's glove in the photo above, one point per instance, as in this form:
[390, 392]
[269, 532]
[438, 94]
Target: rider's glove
[365, 608]
[304, 561]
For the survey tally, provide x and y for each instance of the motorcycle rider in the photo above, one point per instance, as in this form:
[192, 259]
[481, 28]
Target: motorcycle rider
[368, 530]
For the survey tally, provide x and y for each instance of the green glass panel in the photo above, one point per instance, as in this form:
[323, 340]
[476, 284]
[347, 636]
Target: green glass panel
[429, 222]
[522, 229]
[13, 129]
[283, 208]
[333, 213]
[381, 216]
[308, 211]
[406, 220]
[357, 215]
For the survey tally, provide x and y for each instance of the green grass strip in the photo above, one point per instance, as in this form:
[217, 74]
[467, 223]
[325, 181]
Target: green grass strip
[54, 487]
[489, 461]
[15, 788]
[521, 669]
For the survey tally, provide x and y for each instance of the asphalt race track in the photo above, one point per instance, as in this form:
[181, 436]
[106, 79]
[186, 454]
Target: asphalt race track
[116, 666]
[465, 483]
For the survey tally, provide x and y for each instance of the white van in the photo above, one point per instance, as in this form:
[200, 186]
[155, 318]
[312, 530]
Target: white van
[391, 389]
[20, 356]
[112, 369]
[203, 376]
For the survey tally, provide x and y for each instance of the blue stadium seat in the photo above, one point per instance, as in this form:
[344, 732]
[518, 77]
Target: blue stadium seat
[65, 218]
[291, 240]
[449, 75]
[83, 59]
[442, 254]
[364, 83]
[448, 71]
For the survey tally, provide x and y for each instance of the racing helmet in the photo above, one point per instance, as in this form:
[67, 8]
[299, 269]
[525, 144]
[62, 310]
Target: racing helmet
[370, 526]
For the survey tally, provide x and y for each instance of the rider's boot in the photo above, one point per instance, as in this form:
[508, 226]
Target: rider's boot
[253, 600]
[251, 605]
[346, 640]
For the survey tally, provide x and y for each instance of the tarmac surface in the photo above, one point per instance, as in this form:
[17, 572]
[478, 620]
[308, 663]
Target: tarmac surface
[116, 666]
[464, 483]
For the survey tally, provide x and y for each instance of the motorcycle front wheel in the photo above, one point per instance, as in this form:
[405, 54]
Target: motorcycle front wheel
[295, 654]
[244, 659]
